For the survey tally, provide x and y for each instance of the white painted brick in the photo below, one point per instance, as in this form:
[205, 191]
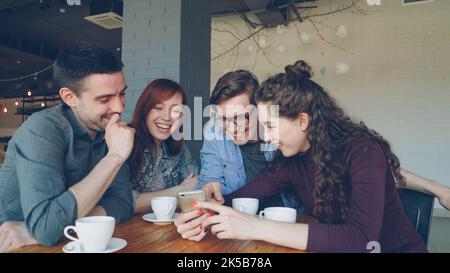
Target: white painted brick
[173, 11]
[162, 62]
[127, 55]
[148, 73]
[148, 13]
[153, 52]
[171, 71]
[172, 30]
[138, 85]
[128, 35]
[138, 24]
[137, 63]
[151, 44]
[172, 50]
[164, 39]
[134, 5]
[173, 3]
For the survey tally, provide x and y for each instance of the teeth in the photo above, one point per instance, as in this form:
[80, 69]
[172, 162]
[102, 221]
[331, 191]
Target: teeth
[163, 126]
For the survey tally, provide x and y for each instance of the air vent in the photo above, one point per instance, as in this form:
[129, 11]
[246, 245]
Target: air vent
[415, 2]
[106, 13]
[109, 20]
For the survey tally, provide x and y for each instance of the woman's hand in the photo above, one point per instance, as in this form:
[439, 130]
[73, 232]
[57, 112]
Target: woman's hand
[189, 224]
[229, 223]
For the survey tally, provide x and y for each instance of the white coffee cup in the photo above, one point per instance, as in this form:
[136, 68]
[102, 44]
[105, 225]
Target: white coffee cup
[164, 207]
[247, 205]
[94, 232]
[280, 214]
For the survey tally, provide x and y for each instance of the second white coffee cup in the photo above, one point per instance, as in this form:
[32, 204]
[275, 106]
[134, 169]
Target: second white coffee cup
[279, 214]
[247, 205]
[164, 207]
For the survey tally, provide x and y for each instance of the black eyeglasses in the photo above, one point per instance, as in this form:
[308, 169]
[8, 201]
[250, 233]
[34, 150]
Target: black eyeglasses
[238, 120]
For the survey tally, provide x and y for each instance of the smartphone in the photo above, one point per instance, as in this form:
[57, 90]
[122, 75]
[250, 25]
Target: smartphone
[185, 199]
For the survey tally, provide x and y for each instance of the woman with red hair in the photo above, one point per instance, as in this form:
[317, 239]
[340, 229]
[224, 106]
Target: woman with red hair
[161, 165]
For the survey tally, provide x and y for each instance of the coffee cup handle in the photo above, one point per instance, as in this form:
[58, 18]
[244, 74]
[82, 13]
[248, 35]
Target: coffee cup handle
[70, 237]
[261, 214]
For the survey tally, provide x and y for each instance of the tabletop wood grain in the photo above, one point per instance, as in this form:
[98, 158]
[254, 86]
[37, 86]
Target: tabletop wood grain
[146, 237]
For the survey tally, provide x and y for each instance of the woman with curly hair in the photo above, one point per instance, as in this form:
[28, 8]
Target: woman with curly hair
[344, 172]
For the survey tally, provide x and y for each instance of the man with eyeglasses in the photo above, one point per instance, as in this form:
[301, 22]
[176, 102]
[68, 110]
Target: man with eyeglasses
[232, 152]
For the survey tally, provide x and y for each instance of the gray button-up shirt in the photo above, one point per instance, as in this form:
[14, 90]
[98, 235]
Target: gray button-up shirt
[49, 153]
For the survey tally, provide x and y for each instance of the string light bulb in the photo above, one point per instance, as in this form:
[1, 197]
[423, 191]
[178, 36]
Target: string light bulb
[29, 93]
[262, 41]
[43, 104]
[341, 31]
[281, 29]
[305, 37]
[5, 109]
[281, 48]
[16, 103]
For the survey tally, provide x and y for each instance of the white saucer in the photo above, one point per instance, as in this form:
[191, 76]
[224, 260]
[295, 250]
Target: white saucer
[113, 245]
[151, 217]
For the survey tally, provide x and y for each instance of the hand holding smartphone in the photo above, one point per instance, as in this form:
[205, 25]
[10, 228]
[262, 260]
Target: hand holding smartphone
[185, 199]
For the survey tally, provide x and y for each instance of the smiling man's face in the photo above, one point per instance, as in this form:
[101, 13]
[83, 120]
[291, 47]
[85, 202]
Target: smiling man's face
[102, 96]
[237, 118]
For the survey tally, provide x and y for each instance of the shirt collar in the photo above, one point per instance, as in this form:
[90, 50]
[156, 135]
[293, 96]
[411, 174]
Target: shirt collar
[78, 128]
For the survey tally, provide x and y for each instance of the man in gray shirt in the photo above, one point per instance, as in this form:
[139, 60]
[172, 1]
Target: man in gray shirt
[68, 161]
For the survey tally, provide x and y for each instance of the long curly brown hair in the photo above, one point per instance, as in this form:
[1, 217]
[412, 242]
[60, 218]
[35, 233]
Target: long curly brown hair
[329, 129]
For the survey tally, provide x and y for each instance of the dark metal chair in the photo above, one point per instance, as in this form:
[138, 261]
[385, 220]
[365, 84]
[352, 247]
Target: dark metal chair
[418, 207]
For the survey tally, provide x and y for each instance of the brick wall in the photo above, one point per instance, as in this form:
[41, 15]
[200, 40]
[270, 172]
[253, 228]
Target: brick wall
[150, 45]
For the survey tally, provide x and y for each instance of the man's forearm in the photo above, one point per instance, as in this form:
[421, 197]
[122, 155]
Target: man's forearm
[98, 211]
[88, 191]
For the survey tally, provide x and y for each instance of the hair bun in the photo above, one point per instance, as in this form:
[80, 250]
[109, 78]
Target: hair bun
[300, 69]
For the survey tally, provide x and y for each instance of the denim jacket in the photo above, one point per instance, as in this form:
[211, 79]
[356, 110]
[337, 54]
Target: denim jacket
[171, 170]
[222, 161]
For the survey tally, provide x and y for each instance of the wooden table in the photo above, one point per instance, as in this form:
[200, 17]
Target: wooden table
[143, 236]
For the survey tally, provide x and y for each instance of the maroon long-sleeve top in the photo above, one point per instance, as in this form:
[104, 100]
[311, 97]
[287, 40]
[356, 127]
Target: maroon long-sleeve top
[374, 213]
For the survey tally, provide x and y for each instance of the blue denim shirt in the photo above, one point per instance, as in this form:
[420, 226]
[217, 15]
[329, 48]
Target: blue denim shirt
[47, 155]
[222, 161]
